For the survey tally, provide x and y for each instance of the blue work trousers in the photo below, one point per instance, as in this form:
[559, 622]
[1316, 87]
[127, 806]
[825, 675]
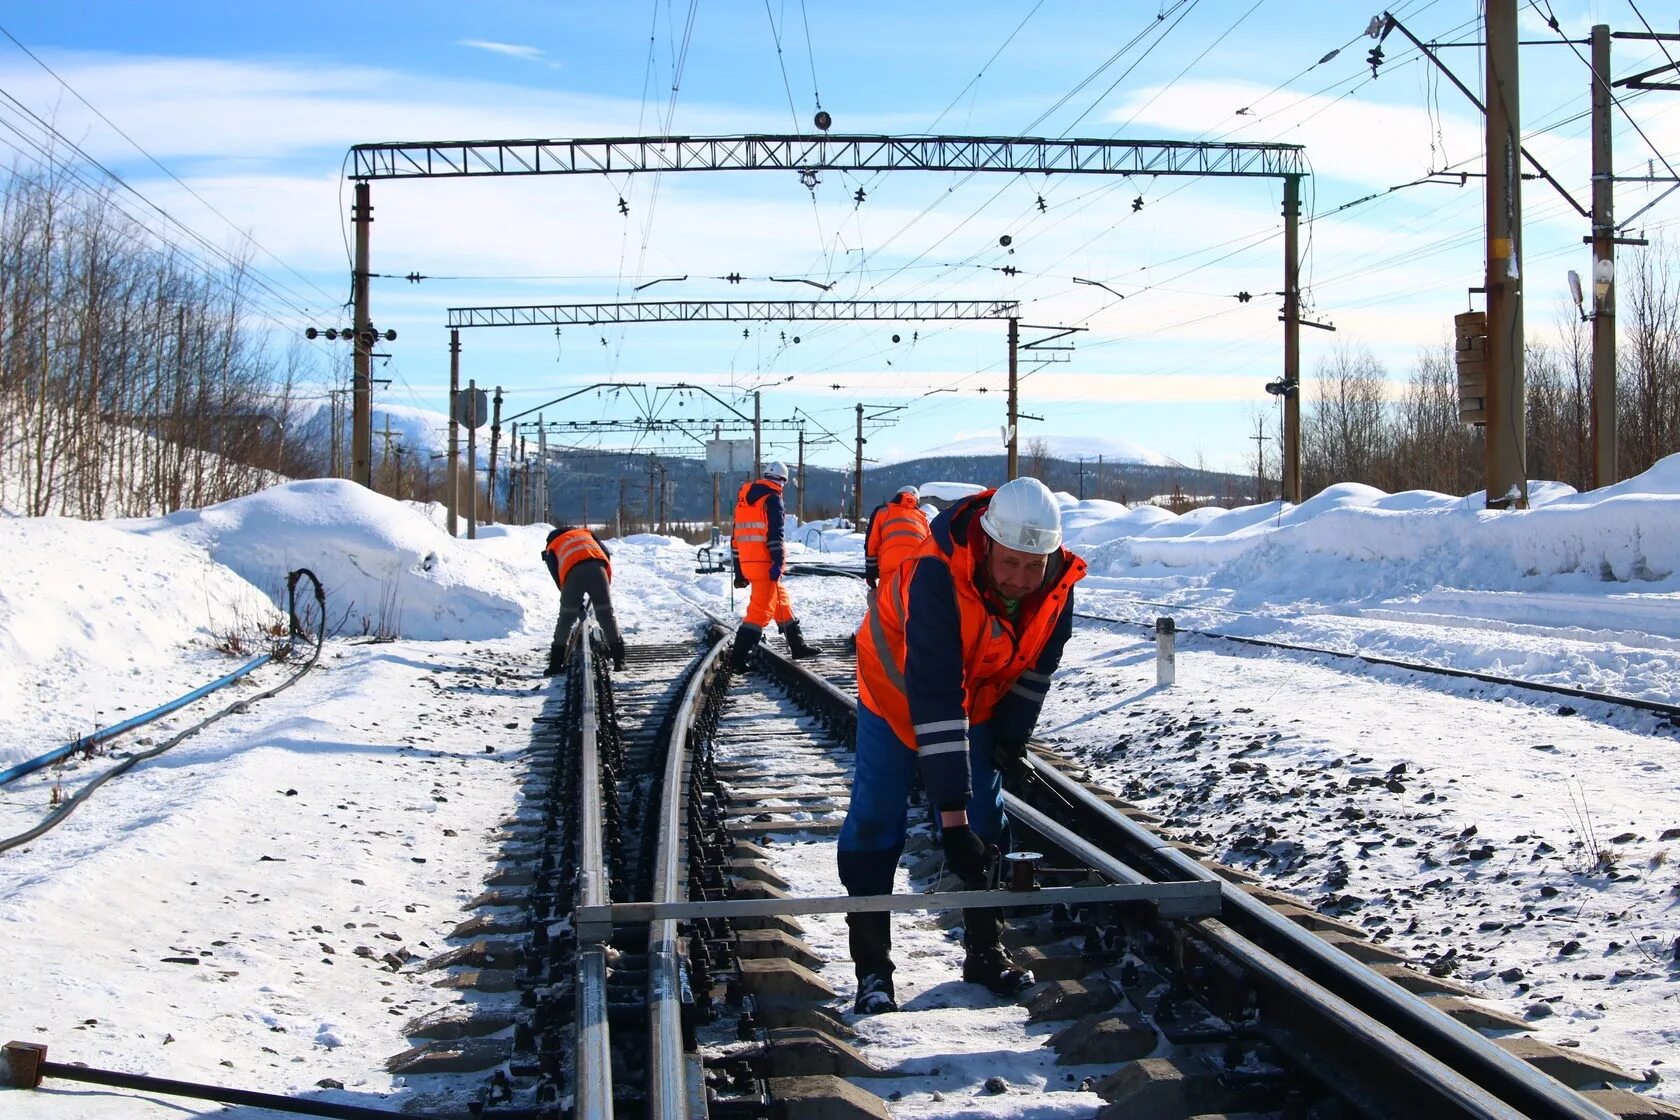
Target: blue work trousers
[872, 837]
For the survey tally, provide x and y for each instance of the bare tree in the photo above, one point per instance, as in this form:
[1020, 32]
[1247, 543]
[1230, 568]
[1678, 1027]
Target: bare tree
[1036, 462]
[1344, 434]
[1649, 373]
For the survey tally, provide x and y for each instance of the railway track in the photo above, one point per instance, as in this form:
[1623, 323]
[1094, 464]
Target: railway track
[683, 954]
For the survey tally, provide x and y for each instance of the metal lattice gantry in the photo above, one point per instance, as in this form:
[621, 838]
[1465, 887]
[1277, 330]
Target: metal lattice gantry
[629, 154]
[718, 310]
[1009, 154]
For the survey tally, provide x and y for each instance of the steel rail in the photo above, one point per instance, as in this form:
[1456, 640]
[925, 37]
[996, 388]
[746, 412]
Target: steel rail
[1426, 1081]
[1441, 1040]
[1512, 1080]
[675, 1083]
[593, 1062]
[1671, 711]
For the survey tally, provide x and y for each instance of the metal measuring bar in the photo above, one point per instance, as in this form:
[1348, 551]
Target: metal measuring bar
[1171, 900]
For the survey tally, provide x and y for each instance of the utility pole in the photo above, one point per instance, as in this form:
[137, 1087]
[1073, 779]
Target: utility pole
[1259, 438]
[1604, 268]
[801, 512]
[453, 481]
[472, 460]
[1507, 486]
[1082, 478]
[1099, 476]
[542, 495]
[619, 515]
[653, 469]
[717, 479]
[758, 437]
[664, 521]
[1291, 471]
[857, 472]
[361, 422]
[387, 433]
[495, 438]
[1014, 401]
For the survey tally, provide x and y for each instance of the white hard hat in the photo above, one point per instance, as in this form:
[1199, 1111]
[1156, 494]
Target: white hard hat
[912, 491]
[776, 470]
[1023, 515]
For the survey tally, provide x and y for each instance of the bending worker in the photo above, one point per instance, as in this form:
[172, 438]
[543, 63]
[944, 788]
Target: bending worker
[757, 544]
[954, 660]
[578, 561]
[897, 528]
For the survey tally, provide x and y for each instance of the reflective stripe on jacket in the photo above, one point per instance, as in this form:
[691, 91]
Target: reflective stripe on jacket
[572, 547]
[757, 539]
[934, 655]
[896, 531]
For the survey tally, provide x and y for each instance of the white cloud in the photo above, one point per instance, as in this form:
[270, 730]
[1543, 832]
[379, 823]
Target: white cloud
[512, 50]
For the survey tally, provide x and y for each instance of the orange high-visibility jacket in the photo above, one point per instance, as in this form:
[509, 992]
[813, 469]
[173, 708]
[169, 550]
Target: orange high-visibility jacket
[897, 529]
[757, 540]
[935, 655]
[571, 547]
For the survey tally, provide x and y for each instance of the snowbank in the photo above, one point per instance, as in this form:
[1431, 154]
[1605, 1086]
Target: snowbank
[386, 566]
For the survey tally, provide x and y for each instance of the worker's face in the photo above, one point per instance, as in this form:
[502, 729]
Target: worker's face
[1015, 574]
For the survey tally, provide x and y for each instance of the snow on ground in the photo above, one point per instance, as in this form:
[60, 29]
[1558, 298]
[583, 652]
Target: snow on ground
[1530, 850]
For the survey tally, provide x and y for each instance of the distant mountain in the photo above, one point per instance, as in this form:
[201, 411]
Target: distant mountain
[1068, 448]
[591, 486]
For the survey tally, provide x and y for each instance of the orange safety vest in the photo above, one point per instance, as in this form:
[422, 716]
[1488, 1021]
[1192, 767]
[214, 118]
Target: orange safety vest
[571, 547]
[896, 533]
[751, 539]
[995, 651]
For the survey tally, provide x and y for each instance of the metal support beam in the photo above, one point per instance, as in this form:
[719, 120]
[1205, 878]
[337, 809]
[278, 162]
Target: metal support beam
[1507, 486]
[839, 152]
[728, 311]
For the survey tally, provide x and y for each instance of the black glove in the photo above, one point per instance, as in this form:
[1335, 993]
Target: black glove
[870, 580]
[740, 580]
[775, 572]
[966, 854]
[1010, 758]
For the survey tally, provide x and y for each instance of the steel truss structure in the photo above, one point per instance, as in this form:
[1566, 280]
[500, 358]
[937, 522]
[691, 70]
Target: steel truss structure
[629, 154]
[719, 310]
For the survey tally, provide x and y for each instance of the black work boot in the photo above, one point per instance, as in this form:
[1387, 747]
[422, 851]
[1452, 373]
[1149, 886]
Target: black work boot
[556, 662]
[740, 654]
[870, 937]
[992, 967]
[798, 648]
[618, 657]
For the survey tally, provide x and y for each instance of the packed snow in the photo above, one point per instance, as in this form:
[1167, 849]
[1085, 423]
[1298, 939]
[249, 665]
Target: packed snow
[249, 908]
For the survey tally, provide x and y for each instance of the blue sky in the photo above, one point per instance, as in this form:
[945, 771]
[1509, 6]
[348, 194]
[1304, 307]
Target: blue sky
[252, 107]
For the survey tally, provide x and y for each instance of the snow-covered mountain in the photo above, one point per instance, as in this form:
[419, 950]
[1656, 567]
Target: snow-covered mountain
[1069, 448]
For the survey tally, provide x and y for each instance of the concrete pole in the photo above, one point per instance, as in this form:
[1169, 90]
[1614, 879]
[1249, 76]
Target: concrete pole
[1604, 469]
[1014, 400]
[454, 478]
[361, 421]
[857, 472]
[495, 438]
[801, 513]
[717, 481]
[1292, 339]
[543, 498]
[1507, 486]
[472, 460]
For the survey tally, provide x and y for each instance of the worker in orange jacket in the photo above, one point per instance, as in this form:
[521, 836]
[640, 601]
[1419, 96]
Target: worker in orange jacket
[582, 570]
[954, 660]
[757, 545]
[897, 528]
